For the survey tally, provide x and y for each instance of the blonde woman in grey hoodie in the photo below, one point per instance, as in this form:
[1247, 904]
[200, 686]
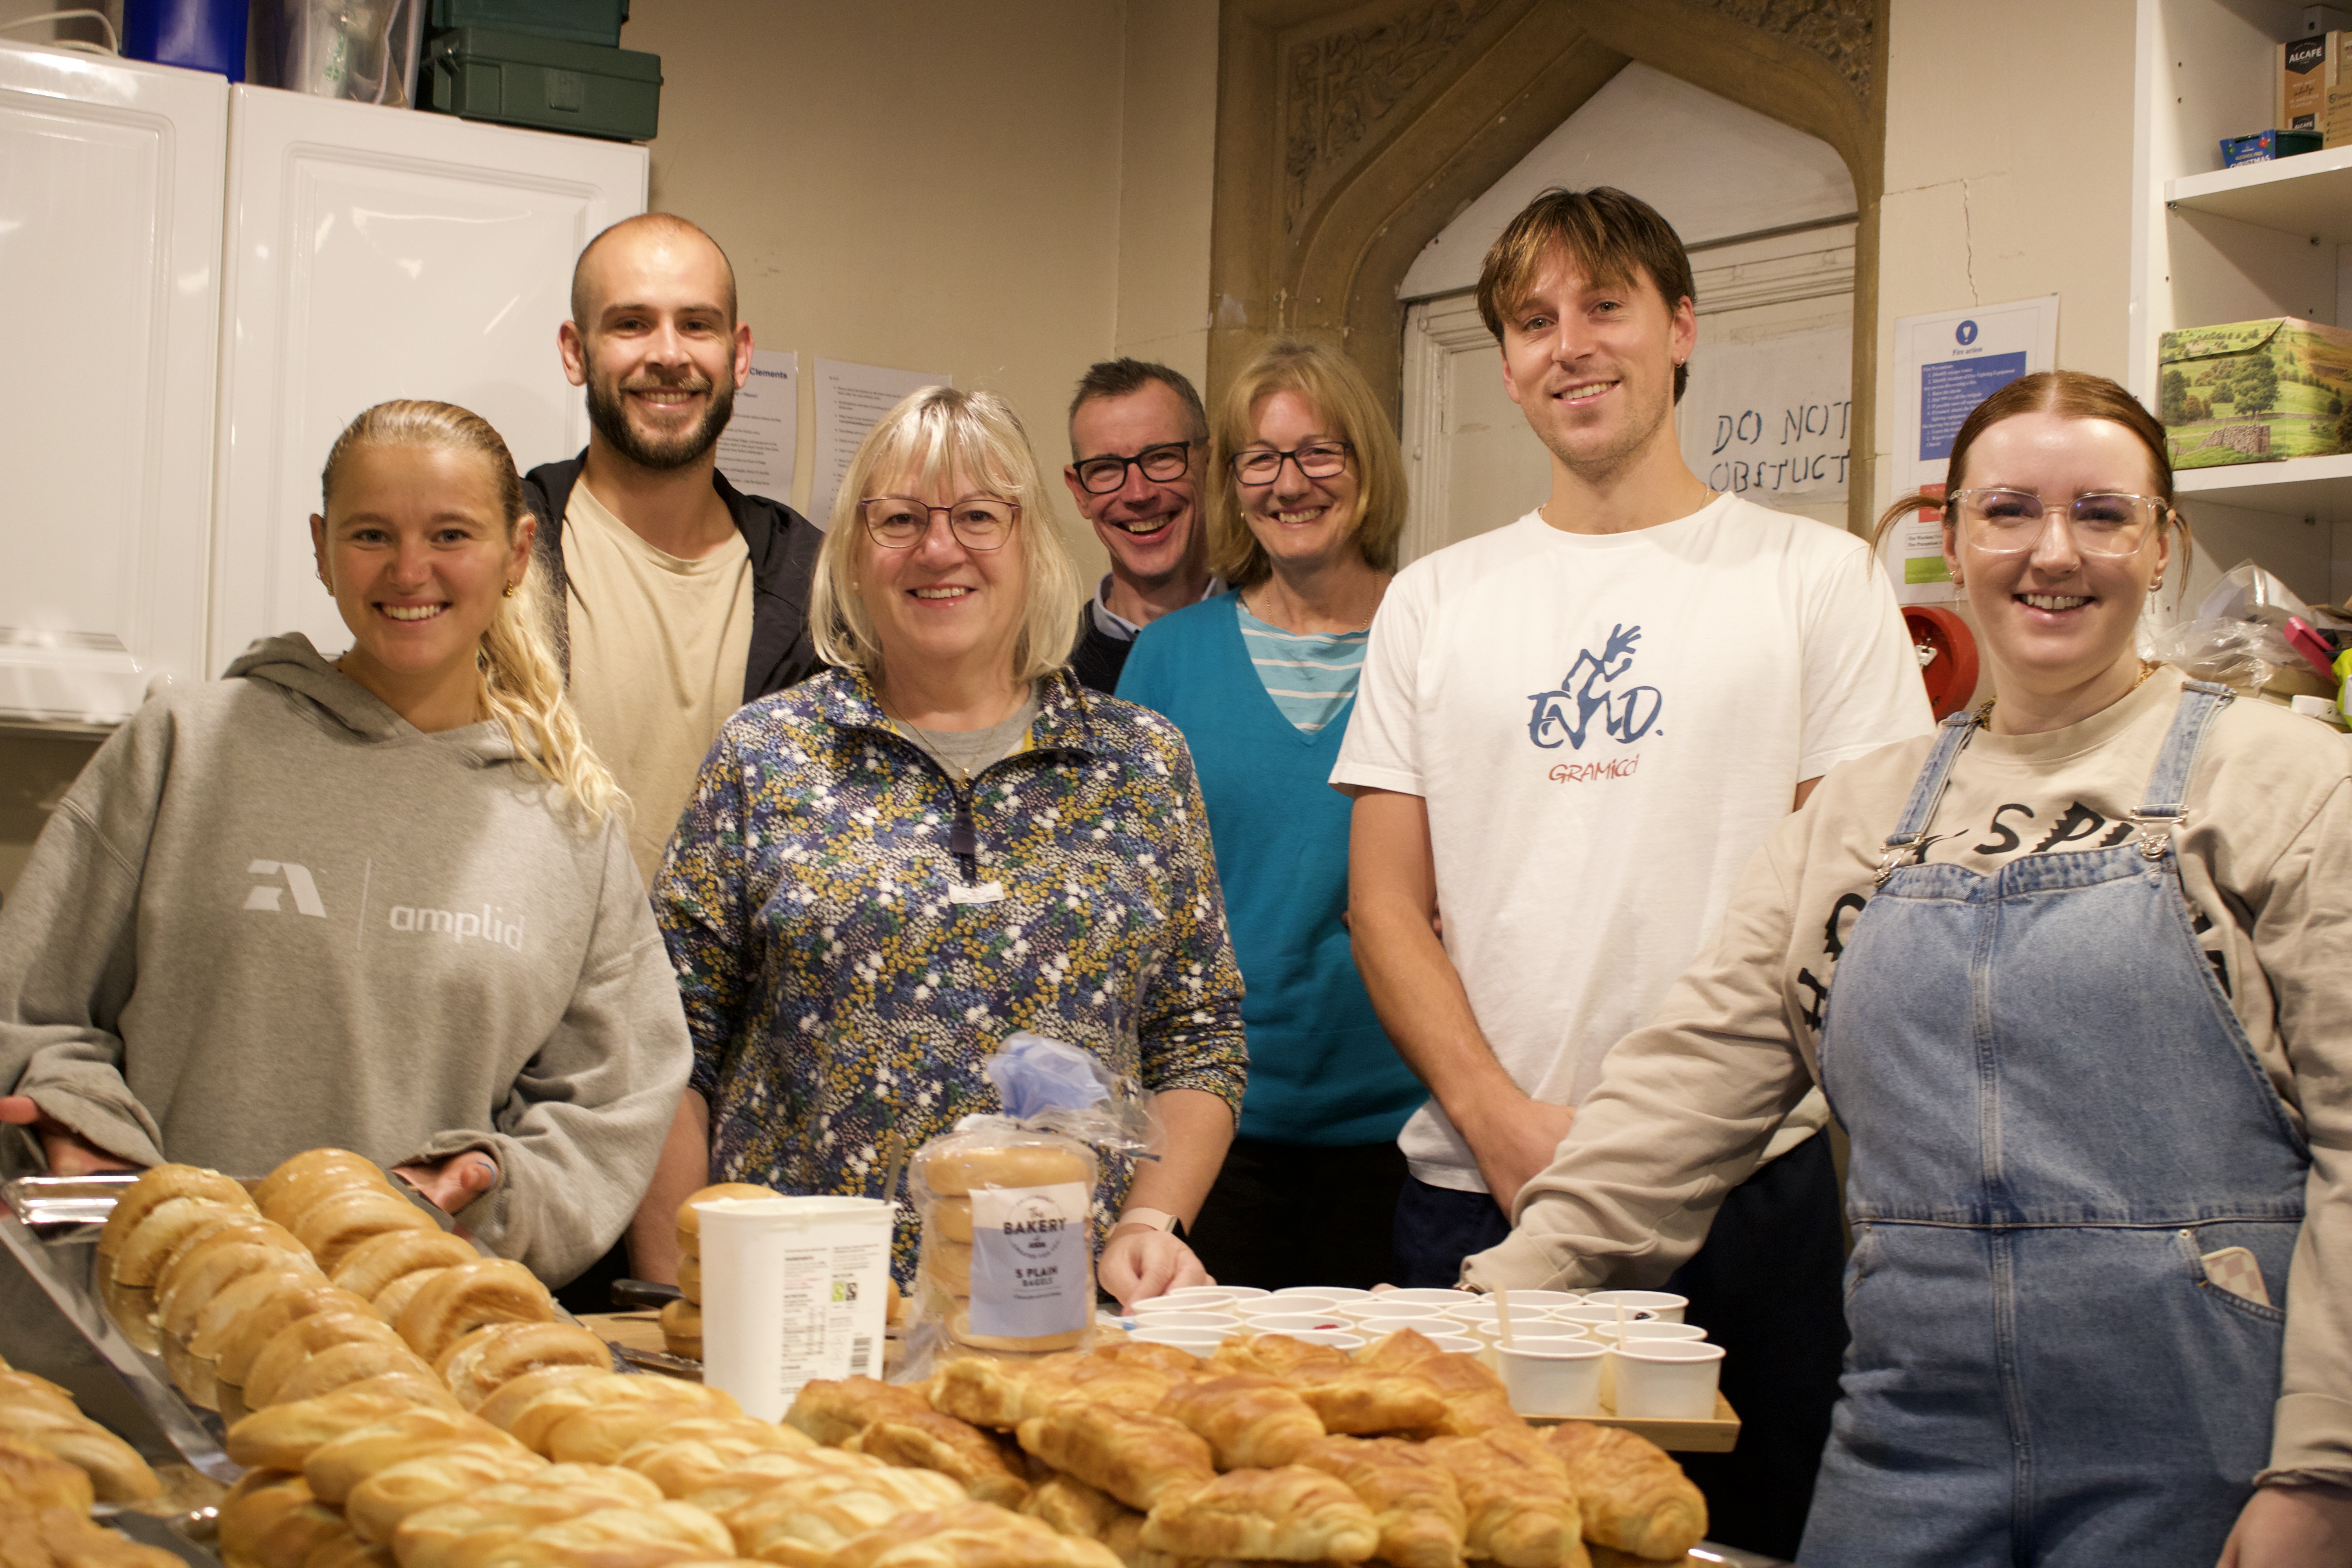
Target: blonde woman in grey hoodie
[382, 901]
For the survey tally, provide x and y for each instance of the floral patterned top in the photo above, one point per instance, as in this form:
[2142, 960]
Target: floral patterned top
[836, 990]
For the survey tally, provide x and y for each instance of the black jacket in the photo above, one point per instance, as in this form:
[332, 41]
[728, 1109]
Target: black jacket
[784, 546]
[1098, 658]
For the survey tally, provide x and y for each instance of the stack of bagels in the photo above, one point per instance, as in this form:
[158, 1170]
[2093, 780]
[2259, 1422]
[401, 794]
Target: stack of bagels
[949, 1170]
[56, 1465]
[682, 1321]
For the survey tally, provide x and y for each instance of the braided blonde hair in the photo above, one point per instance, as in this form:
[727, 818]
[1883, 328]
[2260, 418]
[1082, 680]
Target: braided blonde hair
[522, 686]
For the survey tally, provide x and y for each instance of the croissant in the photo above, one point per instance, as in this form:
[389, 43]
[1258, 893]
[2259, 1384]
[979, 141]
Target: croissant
[1364, 1404]
[269, 1520]
[377, 1505]
[116, 1472]
[1633, 1497]
[283, 1437]
[831, 1411]
[1277, 1354]
[335, 1466]
[1397, 1351]
[1001, 1394]
[461, 1533]
[1250, 1420]
[1519, 1515]
[923, 1439]
[969, 1535]
[1073, 1508]
[1166, 1360]
[1137, 1457]
[1610, 1557]
[1119, 1381]
[686, 1456]
[1415, 1504]
[32, 1477]
[636, 1535]
[1291, 1514]
[1473, 1397]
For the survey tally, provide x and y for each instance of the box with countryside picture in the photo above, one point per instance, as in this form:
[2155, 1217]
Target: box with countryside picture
[2254, 392]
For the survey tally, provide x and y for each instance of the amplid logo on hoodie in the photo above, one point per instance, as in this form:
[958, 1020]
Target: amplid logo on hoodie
[299, 881]
[462, 925]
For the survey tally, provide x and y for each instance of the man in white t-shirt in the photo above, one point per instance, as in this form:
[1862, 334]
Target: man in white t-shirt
[674, 598]
[1571, 735]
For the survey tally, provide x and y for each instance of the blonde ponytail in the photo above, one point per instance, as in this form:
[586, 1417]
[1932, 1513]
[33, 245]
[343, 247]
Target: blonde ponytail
[522, 686]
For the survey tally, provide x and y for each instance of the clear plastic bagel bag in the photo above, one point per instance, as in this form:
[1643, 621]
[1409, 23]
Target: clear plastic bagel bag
[1006, 1261]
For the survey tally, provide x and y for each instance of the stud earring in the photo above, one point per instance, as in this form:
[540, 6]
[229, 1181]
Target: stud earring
[510, 591]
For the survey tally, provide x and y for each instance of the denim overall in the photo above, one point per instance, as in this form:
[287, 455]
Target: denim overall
[2055, 1117]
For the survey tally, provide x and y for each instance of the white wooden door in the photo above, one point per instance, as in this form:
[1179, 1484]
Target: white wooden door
[110, 177]
[1775, 316]
[376, 254]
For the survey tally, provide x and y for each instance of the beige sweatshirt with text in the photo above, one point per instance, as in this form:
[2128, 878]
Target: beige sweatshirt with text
[1686, 1106]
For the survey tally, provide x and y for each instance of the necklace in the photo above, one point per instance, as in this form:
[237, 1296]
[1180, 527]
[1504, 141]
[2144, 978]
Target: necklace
[989, 741]
[1984, 714]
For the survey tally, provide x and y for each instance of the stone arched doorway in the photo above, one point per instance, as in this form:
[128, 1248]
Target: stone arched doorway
[1348, 135]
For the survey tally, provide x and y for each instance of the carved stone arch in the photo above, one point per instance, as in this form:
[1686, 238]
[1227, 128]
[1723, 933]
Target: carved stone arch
[1349, 134]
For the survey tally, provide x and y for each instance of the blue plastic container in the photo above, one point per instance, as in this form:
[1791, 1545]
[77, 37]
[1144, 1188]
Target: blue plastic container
[201, 35]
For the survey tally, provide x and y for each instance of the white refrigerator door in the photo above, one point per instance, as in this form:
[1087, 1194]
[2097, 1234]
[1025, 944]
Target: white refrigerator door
[373, 254]
[111, 180]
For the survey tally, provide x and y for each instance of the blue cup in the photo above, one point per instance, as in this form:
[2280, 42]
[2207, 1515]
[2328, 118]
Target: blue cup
[201, 35]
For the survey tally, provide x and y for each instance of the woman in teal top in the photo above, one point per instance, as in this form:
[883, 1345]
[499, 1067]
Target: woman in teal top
[1306, 505]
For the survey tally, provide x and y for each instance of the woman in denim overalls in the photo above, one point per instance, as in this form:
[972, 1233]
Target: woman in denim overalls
[2075, 1190]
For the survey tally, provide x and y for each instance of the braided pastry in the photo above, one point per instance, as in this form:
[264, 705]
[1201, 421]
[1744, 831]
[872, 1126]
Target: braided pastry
[269, 1520]
[365, 1269]
[336, 1226]
[284, 1437]
[468, 1295]
[32, 1477]
[969, 1535]
[495, 1354]
[339, 1365]
[689, 1456]
[464, 1531]
[377, 1505]
[194, 1362]
[305, 1337]
[335, 1466]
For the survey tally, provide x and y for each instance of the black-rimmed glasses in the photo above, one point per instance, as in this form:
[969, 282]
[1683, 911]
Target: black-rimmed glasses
[1160, 463]
[1316, 460]
[978, 522]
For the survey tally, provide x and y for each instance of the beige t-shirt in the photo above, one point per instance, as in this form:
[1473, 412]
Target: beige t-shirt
[1684, 1105]
[659, 646]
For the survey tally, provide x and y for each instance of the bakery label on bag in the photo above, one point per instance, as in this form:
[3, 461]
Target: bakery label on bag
[1029, 1265]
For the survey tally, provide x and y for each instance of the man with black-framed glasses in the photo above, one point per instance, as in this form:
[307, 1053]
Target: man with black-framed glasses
[1139, 446]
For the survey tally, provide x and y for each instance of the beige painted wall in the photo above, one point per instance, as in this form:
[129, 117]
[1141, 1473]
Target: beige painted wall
[2009, 154]
[1006, 192]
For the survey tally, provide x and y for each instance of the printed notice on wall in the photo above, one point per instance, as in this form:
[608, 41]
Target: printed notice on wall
[1945, 364]
[756, 451]
[1770, 419]
[850, 400]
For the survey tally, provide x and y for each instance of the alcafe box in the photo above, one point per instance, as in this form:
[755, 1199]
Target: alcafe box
[2254, 392]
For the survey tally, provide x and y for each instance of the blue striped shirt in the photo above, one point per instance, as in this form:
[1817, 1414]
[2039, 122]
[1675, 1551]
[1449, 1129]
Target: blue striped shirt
[1309, 674]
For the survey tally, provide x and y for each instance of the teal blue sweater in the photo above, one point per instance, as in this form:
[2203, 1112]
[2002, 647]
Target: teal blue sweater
[1321, 1071]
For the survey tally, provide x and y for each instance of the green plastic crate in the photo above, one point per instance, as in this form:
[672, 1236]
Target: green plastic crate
[548, 84]
[582, 21]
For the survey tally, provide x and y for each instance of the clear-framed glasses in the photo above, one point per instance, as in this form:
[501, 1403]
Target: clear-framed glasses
[978, 522]
[1316, 460]
[2107, 522]
[1160, 463]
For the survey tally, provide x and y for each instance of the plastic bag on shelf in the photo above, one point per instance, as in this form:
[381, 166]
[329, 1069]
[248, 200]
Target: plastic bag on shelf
[2241, 654]
[1006, 1258]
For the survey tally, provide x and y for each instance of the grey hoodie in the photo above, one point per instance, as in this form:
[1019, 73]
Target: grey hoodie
[271, 915]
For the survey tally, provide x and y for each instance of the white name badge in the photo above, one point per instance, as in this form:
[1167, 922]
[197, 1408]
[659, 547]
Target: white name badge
[975, 893]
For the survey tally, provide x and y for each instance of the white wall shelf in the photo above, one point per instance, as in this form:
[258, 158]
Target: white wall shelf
[2309, 196]
[2211, 245]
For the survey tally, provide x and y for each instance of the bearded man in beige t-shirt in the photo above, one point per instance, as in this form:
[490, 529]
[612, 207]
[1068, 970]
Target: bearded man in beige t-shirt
[678, 598]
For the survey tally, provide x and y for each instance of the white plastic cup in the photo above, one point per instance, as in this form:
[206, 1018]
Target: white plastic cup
[1425, 1297]
[1199, 1342]
[1460, 1345]
[1222, 1323]
[1552, 1377]
[1646, 1330]
[766, 1329]
[1314, 1295]
[1663, 1305]
[1337, 1339]
[1339, 1292]
[1591, 1315]
[1298, 1324]
[1238, 1292]
[1541, 1300]
[1668, 1380]
[1195, 1299]
[1481, 1309]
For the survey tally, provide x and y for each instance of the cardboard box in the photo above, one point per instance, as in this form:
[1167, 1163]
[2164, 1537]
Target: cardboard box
[2255, 392]
[2314, 92]
[2264, 145]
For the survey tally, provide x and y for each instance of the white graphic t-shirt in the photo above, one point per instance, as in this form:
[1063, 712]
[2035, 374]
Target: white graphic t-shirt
[1605, 727]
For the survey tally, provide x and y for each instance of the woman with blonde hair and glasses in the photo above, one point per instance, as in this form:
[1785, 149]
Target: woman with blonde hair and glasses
[383, 902]
[2075, 974]
[1307, 503]
[889, 869]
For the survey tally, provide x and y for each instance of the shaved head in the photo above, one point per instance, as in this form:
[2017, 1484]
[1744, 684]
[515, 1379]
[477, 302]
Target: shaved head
[644, 229]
